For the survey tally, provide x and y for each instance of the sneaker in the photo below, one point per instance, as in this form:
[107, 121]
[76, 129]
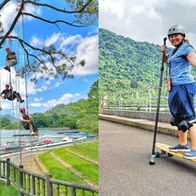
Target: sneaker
[7, 68]
[190, 155]
[33, 133]
[179, 148]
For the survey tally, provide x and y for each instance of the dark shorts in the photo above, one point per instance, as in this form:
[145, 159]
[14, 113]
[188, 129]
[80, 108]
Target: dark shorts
[181, 101]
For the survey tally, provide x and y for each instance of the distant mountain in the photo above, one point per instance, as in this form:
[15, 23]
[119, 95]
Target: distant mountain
[125, 64]
[11, 118]
[58, 109]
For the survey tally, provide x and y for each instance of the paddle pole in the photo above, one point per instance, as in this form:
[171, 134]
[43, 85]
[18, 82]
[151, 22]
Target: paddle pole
[152, 159]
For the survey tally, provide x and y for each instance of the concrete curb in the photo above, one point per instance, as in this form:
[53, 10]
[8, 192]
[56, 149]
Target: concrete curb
[162, 127]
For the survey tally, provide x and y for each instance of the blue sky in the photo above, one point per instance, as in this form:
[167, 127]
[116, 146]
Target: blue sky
[82, 42]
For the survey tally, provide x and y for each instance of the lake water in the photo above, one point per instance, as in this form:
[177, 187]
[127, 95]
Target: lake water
[53, 135]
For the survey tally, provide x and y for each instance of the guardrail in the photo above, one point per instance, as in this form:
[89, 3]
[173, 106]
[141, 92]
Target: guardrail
[30, 184]
[137, 101]
[143, 100]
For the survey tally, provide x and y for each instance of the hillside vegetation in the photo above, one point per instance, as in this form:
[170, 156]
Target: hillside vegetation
[127, 65]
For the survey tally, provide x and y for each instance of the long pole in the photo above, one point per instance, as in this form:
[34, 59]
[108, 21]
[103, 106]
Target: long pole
[152, 159]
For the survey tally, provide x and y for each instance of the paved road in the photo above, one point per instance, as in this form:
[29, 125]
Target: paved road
[124, 170]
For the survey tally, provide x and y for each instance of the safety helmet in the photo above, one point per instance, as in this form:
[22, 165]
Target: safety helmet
[7, 86]
[22, 109]
[175, 29]
[7, 49]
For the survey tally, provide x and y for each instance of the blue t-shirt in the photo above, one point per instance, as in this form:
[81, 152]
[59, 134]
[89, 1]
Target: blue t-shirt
[179, 66]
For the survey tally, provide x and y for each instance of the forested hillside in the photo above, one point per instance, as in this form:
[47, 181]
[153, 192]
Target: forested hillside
[125, 64]
[82, 114]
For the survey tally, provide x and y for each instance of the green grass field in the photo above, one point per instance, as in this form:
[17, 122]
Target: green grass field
[57, 160]
[85, 168]
[6, 191]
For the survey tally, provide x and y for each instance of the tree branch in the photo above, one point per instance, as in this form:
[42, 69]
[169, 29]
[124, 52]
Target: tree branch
[11, 27]
[53, 22]
[85, 13]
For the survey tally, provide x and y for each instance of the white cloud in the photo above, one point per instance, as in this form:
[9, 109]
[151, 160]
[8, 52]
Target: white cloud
[114, 7]
[147, 20]
[7, 14]
[69, 43]
[35, 41]
[64, 99]
[83, 48]
[35, 10]
[38, 99]
[9, 11]
[52, 39]
[88, 50]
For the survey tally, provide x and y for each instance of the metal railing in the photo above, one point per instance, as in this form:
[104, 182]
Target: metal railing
[88, 147]
[135, 101]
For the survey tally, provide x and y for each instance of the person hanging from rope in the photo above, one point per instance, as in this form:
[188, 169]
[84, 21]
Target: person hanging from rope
[11, 59]
[28, 124]
[9, 94]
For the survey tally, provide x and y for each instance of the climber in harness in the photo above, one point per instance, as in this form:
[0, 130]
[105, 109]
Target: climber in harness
[28, 124]
[10, 59]
[9, 94]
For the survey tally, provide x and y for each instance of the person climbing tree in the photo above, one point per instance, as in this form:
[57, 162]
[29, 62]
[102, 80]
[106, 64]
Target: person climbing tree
[9, 94]
[10, 59]
[28, 124]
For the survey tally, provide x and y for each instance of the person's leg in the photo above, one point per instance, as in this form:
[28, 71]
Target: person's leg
[192, 153]
[31, 127]
[193, 136]
[19, 99]
[12, 62]
[182, 146]
[35, 129]
[7, 66]
[182, 138]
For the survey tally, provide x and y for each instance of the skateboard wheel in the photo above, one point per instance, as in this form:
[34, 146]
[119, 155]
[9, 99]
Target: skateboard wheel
[157, 154]
[163, 152]
[170, 155]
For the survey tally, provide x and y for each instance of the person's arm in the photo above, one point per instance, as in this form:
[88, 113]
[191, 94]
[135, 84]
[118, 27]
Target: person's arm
[24, 120]
[163, 50]
[11, 87]
[13, 55]
[192, 58]
[30, 117]
[2, 94]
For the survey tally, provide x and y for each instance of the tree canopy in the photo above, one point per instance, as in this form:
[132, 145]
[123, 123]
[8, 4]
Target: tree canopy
[125, 64]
